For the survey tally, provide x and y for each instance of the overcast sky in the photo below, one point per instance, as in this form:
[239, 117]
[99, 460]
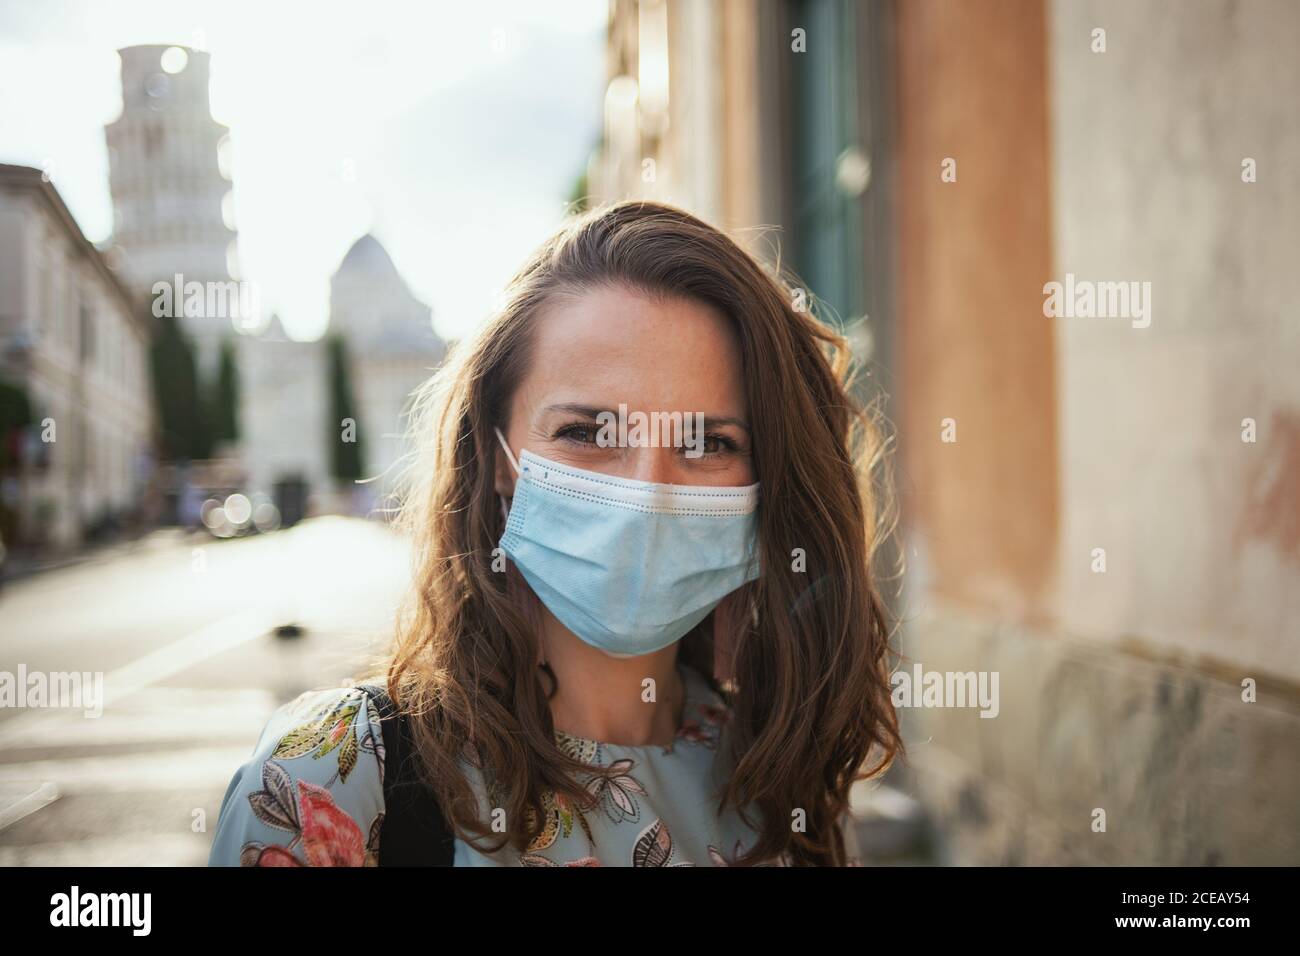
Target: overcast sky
[453, 131]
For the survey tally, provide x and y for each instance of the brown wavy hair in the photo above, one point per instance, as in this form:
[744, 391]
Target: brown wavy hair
[804, 669]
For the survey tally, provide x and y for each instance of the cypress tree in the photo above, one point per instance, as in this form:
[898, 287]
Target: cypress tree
[181, 416]
[346, 456]
[225, 413]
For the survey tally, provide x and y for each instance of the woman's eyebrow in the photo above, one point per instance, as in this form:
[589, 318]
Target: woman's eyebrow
[712, 421]
[592, 411]
[586, 411]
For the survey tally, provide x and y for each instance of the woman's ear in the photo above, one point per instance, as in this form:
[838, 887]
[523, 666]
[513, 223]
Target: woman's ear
[504, 476]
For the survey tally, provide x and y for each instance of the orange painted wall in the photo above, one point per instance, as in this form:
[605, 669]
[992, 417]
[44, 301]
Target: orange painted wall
[973, 256]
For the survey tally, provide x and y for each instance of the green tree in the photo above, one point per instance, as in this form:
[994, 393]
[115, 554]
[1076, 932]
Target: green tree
[225, 404]
[185, 431]
[344, 431]
[579, 200]
[15, 416]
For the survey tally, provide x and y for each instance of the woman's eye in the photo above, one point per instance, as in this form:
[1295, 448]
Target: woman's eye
[582, 434]
[717, 444]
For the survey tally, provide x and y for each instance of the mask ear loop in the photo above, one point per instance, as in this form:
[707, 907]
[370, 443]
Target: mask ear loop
[505, 517]
[505, 512]
[506, 448]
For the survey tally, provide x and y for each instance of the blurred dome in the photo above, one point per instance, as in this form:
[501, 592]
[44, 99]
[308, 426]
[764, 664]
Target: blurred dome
[367, 257]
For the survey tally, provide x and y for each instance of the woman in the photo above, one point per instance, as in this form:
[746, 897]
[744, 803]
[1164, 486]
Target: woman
[620, 649]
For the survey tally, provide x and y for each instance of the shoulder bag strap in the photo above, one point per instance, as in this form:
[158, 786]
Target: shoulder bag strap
[414, 832]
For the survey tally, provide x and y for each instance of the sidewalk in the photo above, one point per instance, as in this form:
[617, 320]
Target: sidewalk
[20, 565]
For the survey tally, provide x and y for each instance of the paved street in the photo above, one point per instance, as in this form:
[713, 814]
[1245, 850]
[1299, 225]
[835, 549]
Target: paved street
[182, 630]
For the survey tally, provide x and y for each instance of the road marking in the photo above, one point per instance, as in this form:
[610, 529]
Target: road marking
[131, 849]
[200, 645]
[183, 716]
[31, 801]
[201, 768]
[207, 642]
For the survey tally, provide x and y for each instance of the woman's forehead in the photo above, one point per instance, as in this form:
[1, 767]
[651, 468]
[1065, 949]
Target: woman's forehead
[611, 346]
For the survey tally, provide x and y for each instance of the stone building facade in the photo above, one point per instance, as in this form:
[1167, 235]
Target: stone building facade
[1102, 510]
[391, 349]
[72, 339]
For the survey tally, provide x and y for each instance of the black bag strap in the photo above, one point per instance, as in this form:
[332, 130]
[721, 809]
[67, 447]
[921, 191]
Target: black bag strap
[414, 832]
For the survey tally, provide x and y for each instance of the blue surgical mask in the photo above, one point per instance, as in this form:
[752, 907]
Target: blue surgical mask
[628, 566]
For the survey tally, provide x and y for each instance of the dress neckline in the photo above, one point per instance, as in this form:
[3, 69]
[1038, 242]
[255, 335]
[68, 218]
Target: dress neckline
[702, 712]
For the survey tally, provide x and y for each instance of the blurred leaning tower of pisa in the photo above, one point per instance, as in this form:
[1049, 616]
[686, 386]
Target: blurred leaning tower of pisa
[170, 180]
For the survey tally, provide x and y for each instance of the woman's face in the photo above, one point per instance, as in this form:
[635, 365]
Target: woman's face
[603, 348]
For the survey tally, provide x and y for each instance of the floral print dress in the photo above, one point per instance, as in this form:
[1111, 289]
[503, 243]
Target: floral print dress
[312, 794]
